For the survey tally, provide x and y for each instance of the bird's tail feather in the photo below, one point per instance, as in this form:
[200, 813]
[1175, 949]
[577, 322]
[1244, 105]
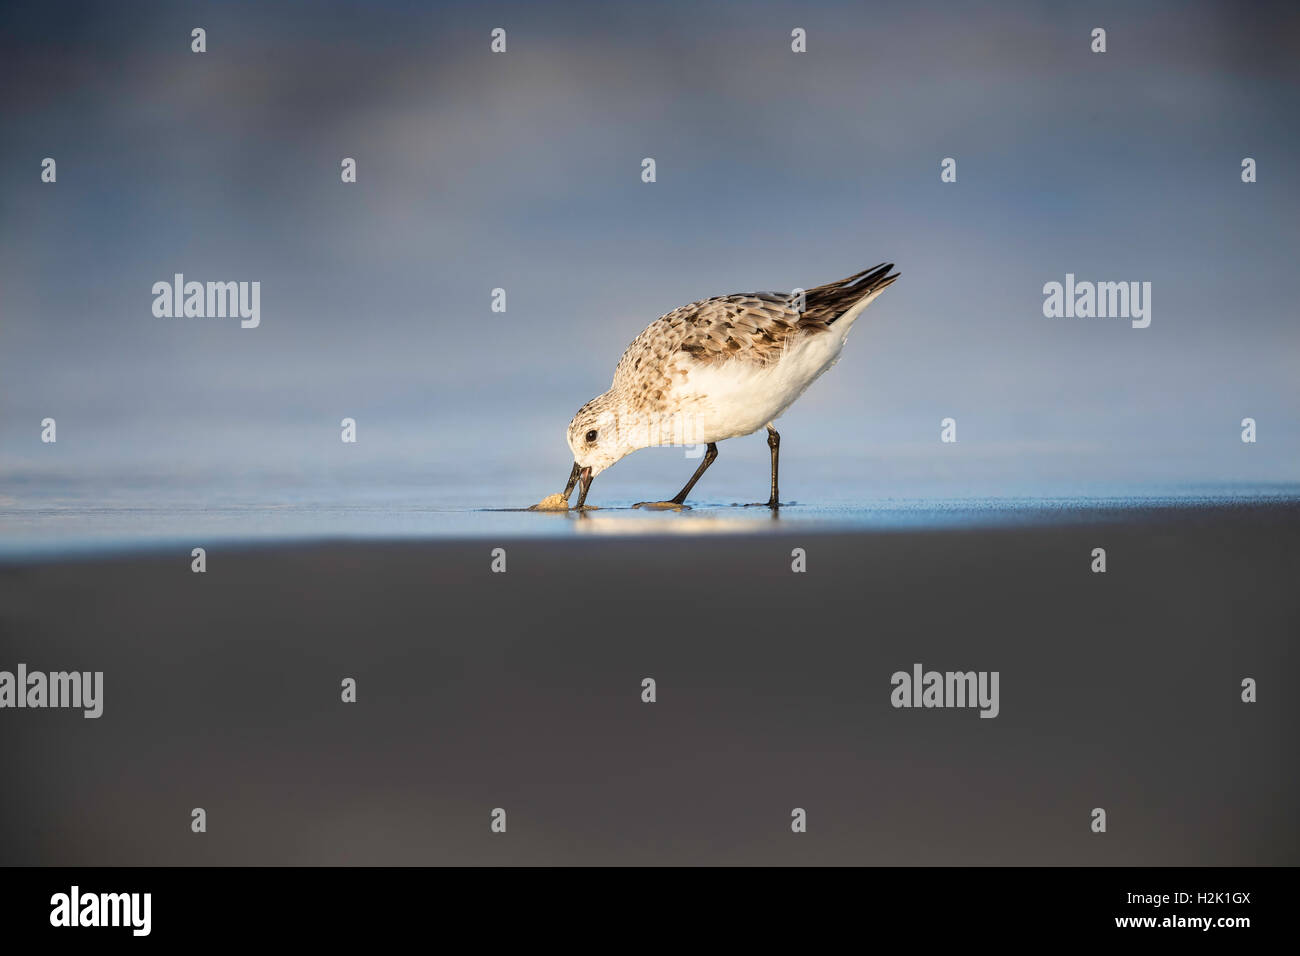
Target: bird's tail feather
[826, 303]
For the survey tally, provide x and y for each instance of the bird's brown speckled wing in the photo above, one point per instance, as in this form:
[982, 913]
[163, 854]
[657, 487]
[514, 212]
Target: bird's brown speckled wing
[752, 327]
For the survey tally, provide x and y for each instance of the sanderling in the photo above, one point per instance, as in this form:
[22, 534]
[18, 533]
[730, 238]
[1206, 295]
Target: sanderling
[717, 369]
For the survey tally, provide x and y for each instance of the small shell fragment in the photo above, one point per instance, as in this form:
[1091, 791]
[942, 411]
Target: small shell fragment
[555, 502]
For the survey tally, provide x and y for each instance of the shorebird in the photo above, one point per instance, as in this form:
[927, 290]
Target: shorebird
[715, 369]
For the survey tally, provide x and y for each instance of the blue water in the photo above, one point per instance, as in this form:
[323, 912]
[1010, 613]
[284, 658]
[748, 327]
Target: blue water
[49, 520]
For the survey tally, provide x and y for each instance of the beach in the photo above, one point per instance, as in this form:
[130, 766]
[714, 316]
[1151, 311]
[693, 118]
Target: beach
[524, 691]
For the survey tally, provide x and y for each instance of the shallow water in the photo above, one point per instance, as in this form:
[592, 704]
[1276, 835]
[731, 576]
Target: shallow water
[48, 522]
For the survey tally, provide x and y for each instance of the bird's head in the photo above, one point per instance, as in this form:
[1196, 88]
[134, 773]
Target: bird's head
[598, 436]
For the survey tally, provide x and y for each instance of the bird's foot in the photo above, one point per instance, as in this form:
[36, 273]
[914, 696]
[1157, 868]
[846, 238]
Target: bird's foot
[662, 506]
[773, 504]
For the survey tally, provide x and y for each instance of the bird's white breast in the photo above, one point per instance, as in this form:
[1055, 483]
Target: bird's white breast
[737, 397]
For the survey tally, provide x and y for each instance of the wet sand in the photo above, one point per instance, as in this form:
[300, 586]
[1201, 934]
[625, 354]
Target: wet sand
[522, 690]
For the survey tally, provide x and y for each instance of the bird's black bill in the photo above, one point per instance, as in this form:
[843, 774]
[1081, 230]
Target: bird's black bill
[584, 484]
[573, 480]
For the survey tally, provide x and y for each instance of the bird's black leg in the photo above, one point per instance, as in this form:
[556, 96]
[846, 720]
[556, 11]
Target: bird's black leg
[710, 454]
[774, 443]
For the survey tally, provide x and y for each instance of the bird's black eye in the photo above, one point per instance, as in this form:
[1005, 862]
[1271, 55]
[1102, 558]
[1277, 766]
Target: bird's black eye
[591, 436]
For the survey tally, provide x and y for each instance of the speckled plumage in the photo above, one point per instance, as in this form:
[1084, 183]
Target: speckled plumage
[729, 364]
[752, 327]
